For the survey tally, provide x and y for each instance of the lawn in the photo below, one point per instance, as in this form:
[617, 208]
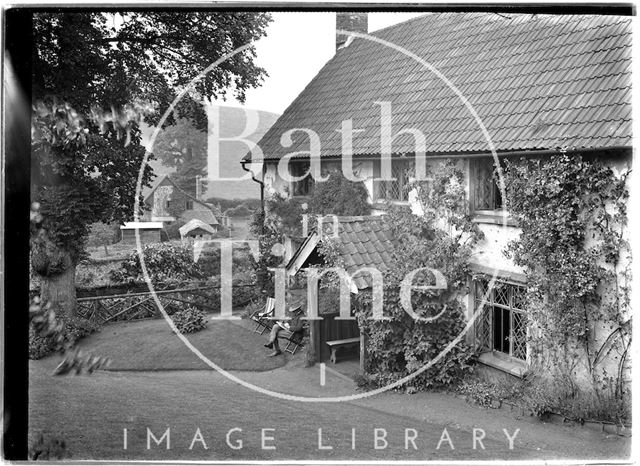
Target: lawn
[91, 412]
[117, 251]
[150, 345]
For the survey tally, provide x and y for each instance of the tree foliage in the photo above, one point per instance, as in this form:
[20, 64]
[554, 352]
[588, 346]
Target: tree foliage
[96, 76]
[183, 147]
[93, 58]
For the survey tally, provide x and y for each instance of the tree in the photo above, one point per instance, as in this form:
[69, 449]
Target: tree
[184, 147]
[102, 234]
[96, 75]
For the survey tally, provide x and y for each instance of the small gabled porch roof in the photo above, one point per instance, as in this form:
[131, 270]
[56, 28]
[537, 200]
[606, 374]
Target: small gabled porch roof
[195, 224]
[361, 241]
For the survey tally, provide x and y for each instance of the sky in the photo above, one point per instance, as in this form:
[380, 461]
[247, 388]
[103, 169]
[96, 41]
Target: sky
[296, 47]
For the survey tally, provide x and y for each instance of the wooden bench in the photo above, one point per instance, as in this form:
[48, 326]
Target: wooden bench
[346, 343]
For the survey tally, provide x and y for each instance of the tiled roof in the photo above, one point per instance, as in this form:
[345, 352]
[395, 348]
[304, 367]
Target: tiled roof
[200, 212]
[362, 241]
[536, 81]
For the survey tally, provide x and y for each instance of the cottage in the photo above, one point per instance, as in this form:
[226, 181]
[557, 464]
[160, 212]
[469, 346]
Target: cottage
[460, 86]
[166, 202]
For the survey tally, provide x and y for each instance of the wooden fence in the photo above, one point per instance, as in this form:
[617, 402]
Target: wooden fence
[142, 305]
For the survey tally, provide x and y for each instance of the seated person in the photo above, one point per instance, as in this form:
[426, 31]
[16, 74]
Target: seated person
[293, 325]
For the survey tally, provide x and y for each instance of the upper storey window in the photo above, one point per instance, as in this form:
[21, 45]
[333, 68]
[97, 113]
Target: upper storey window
[485, 188]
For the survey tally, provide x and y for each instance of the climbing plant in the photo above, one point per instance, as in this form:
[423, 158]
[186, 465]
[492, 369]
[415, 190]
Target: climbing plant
[285, 216]
[440, 238]
[572, 212]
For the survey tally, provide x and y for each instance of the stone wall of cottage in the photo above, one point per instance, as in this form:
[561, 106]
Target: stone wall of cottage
[160, 197]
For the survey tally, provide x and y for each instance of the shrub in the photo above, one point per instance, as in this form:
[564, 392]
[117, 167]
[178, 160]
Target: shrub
[40, 345]
[365, 381]
[173, 230]
[77, 328]
[539, 400]
[189, 320]
[209, 262]
[73, 329]
[478, 392]
[255, 305]
[589, 406]
[239, 211]
[165, 262]
[482, 392]
[48, 448]
[340, 196]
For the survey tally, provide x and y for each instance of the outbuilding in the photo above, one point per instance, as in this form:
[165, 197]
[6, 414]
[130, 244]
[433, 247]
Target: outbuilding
[149, 232]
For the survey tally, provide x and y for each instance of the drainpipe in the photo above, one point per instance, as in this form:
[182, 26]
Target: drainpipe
[261, 183]
[261, 277]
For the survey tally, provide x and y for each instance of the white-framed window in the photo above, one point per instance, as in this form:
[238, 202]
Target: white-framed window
[501, 325]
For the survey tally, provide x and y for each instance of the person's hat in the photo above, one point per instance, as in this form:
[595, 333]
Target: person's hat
[296, 304]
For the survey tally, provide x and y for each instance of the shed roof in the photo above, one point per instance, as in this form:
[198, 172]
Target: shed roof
[536, 81]
[362, 241]
[142, 226]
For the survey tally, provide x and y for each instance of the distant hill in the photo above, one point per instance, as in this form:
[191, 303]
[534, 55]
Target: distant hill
[232, 123]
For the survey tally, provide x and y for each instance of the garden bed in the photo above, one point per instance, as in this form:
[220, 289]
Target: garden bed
[483, 394]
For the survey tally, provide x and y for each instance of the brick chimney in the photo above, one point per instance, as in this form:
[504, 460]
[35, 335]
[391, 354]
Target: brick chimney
[355, 22]
[198, 188]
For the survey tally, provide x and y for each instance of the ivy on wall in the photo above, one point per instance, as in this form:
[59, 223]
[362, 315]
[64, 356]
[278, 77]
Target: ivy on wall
[441, 239]
[572, 211]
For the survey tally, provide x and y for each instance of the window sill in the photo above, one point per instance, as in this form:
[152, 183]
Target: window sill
[384, 203]
[493, 217]
[506, 364]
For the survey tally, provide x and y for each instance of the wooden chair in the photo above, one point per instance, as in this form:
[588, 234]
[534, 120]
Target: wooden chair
[263, 323]
[294, 339]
